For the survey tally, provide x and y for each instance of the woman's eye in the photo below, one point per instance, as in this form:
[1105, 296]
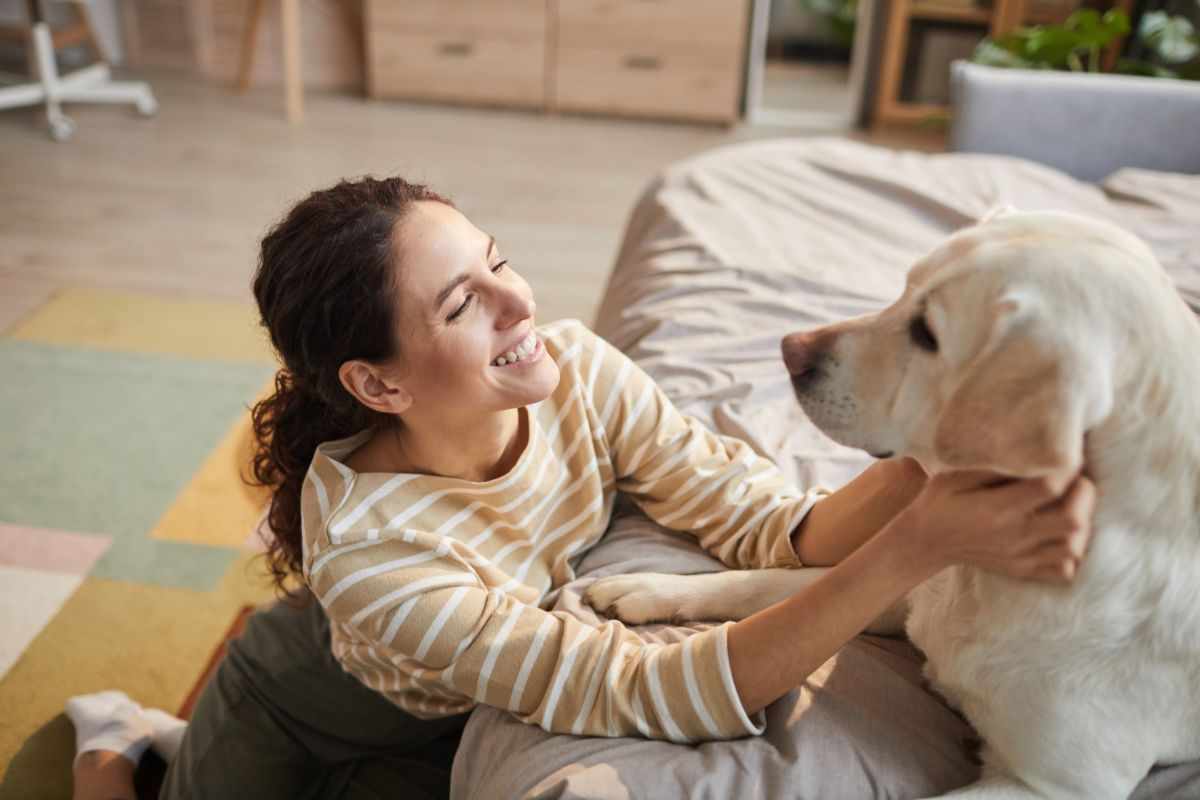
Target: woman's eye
[459, 311]
[922, 337]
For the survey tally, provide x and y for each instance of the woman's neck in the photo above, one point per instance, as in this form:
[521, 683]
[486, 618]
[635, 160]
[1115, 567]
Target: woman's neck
[478, 450]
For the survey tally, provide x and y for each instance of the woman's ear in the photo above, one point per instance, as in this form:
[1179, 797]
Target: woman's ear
[374, 389]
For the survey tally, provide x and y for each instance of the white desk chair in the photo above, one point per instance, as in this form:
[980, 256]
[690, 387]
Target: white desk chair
[92, 84]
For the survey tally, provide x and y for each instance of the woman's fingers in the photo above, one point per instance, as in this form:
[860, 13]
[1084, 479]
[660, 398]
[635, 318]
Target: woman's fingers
[1069, 519]
[1030, 494]
[1061, 572]
[967, 480]
[1032, 529]
[1080, 500]
[1055, 561]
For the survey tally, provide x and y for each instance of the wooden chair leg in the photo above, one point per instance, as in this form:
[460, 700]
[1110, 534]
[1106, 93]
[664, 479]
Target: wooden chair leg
[249, 41]
[293, 85]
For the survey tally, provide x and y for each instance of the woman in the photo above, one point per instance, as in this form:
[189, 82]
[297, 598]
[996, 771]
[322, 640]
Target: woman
[437, 463]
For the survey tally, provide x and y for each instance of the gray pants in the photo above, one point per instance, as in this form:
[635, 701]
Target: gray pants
[281, 719]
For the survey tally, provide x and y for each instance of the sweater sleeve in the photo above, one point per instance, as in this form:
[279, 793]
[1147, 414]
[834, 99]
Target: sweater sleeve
[688, 478]
[431, 628]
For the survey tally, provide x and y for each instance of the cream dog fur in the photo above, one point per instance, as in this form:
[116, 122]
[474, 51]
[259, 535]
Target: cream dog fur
[1061, 343]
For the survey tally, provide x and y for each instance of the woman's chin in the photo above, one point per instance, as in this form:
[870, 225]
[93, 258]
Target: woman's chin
[522, 387]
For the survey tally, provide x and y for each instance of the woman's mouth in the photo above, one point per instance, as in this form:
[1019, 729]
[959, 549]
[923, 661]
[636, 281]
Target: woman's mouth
[528, 351]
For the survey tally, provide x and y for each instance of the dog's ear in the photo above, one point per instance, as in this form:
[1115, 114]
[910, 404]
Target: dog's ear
[1016, 410]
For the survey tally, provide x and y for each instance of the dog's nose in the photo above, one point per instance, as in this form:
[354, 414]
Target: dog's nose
[802, 351]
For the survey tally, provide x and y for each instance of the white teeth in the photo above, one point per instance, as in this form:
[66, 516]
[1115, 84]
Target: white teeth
[525, 348]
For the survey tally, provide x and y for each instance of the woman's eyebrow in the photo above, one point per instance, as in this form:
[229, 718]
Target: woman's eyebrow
[461, 277]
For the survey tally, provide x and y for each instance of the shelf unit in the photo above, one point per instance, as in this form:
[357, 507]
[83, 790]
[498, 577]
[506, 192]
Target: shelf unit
[991, 18]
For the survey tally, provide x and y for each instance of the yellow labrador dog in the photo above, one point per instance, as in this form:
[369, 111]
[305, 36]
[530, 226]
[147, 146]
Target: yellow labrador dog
[1030, 344]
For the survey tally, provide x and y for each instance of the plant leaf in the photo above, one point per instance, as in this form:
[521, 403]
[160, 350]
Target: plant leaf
[995, 55]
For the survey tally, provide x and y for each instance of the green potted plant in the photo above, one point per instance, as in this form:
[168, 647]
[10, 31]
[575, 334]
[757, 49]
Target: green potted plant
[1166, 45]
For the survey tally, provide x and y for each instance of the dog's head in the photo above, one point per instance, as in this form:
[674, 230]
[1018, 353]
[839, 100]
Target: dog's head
[999, 355]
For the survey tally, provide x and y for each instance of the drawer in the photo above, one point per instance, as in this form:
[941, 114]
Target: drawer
[439, 51]
[720, 24]
[666, 58]
[504, 18]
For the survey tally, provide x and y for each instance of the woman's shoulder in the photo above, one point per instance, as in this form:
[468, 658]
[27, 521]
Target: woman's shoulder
[561, 334]
[570, 342]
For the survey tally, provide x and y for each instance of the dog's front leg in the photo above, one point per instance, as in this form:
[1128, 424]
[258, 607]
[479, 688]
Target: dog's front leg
[656, 597]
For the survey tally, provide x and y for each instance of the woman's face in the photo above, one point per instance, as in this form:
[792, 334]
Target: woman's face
[464, 315]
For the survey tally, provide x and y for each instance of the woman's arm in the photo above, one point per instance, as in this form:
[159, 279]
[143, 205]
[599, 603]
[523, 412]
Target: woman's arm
[840, 523]
[413, 619]
[1021, 529]
[776, 649]
[738, 504]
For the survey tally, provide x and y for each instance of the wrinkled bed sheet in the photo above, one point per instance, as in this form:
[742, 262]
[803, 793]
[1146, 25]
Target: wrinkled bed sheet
[722, 256]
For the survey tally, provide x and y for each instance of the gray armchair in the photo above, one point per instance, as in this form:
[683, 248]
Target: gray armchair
[1086, 125]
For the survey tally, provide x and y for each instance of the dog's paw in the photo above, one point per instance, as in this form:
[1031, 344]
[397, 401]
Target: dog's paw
[640, 598]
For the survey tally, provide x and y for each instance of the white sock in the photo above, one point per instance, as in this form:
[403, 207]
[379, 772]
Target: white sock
[168, 732]
[109, 721]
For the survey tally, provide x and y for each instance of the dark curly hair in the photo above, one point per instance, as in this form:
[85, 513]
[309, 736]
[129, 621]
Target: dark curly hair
[325, 287]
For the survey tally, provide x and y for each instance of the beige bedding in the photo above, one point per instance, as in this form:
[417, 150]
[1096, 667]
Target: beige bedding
[723, 255]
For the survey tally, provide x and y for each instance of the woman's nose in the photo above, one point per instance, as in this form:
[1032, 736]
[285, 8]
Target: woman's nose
[516, 305]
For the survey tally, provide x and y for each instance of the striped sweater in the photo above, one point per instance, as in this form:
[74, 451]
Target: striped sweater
[432, 584]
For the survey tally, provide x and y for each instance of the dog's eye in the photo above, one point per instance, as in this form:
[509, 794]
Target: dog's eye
[922, 337]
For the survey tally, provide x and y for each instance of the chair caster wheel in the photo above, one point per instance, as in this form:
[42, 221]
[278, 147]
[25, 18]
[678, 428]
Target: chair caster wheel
[61, 129]
[147, 106]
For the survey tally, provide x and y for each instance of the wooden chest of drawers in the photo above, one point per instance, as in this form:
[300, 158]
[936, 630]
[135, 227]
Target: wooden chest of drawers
[680, 59]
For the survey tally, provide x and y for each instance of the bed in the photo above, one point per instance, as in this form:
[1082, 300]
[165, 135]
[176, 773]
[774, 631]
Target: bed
[722, 255]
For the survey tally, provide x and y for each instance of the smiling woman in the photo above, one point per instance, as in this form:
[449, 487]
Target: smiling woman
[438, 464]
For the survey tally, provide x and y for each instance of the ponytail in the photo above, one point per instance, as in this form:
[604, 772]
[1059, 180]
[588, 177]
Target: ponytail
[288, 427]
[326, 291]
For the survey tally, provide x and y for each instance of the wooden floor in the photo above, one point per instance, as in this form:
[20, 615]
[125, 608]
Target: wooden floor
[177, 203]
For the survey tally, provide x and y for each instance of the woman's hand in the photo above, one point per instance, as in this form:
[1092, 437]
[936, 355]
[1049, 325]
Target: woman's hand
[1035, 529]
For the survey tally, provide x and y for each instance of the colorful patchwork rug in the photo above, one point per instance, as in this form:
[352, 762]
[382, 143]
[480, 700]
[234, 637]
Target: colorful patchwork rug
[126, 527]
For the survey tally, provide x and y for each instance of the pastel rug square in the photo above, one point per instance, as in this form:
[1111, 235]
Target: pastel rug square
[28, 600]
[49, 550]
[152, 561]
[107, 319]
[219, 506]
[103, 442]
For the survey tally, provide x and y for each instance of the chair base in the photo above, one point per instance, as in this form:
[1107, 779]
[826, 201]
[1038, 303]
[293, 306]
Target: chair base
[92, 84]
